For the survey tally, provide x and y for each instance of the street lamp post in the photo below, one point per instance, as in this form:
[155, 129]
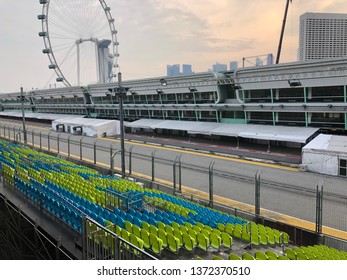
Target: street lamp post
[120, 92]
[23, 115]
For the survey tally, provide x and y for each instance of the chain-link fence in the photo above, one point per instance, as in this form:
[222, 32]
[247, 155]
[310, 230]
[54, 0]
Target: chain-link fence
[292, 199]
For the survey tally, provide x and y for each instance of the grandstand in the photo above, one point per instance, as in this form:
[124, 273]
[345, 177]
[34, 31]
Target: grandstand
[115, 218]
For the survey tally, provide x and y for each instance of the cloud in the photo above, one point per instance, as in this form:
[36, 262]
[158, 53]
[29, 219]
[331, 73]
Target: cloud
[154, 33]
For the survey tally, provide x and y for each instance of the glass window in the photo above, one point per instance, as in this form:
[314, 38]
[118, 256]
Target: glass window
[343, 167]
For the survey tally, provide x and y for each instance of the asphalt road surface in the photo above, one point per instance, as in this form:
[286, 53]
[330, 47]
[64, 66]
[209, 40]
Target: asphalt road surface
[284, 190]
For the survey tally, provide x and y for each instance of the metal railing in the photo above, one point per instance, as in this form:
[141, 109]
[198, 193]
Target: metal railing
[98, 153]
[100, 243]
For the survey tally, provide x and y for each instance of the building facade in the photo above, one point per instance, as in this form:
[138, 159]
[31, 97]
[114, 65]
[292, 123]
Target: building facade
[173, 70]
[306, 93]
[322, 35]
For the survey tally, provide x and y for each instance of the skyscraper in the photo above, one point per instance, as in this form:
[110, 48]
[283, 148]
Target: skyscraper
[187, 69]
[234, 65]
[218, 67]
[322, 35]
[173, 70]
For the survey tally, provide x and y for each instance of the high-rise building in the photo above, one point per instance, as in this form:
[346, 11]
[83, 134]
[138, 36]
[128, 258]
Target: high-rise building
[218, 67]
[233, 65]
[173, 70]
[187, 69]
[322, 35]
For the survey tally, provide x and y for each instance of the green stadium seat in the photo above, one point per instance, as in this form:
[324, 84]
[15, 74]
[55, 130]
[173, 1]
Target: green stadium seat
[208, 228]
[175, 225]
[290, 254]
[146, 226]
[271, 238]
[218, 258]
[128, 226]
[260, 256]
[245, 236]
[136, 242]
[163, 236]
[234, 257]
[217, 231]
[173, 243]
[156, 243]
[227, 240]
[247, 256]
[237, 232]
[255, 239]
[169, 229]
[183, 229]
[118, 230]
[188, 242]
[188, 225]
[137, 231]
[203, 241]
[221, 226]
[153, 229]
[301, 256]
[263, 239]
[215, 241]
[205, 232]
[271, 254]
[200, 225]
[285, 238]
[178, 235]
[145, 238]
[197, 229]
[193, 234]
[161, 226]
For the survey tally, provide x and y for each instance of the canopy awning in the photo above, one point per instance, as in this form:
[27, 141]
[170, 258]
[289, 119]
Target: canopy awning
[250, 131]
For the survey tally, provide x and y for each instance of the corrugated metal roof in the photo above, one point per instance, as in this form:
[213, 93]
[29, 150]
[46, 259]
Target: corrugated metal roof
[251, 131]
[143, 123]
[39, 116]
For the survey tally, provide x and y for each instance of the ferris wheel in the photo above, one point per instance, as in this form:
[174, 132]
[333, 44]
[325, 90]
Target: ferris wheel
[80, 40]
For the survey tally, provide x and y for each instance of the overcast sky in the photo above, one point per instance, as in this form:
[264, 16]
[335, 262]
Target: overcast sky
[154, 33]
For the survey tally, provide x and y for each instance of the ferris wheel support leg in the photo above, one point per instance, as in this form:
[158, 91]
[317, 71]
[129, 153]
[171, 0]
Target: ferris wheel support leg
[78, 65]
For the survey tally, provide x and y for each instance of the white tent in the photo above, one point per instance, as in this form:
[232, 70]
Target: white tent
[326, 154]
[88, 127]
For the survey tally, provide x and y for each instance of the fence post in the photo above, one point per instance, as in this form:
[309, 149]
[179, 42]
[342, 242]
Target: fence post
[174, 177]
[81, 148]
[68, 145]
[130, 159]
[40, 140]
[32, 138]
[177, 162]
[49, 142]
[319, 207]
[180, 176]
[84, 239]
[210, 183]
[153, 153]
[257, 194]
[95, 151]
[58, 142]
[111, 159]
